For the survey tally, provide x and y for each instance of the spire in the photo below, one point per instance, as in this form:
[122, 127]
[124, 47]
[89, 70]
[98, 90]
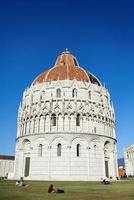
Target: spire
[66, 51]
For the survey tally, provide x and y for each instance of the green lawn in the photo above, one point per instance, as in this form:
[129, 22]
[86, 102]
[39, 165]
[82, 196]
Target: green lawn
[37, 190]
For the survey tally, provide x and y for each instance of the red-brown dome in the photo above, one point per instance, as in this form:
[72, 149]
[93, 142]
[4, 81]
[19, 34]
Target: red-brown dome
[66, 68]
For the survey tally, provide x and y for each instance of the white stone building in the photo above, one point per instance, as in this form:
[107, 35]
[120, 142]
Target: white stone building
[66, 126]
[6, 165]
[129, 160]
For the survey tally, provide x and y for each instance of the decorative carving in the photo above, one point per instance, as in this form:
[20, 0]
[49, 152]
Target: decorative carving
[57, 108]
[69, 107]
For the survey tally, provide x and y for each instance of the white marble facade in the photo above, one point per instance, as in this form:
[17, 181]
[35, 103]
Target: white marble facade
[66, 131]
[129, 160]
[6, 165]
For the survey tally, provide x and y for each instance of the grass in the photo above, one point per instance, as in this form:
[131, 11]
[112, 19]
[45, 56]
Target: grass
[37, 190]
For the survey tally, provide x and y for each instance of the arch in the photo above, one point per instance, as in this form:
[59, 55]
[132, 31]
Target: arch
[41, 123]
[107, 157]
[31, 117]
[58, 93]
[79, 147]
[89, 94]
[107, 144]
[106, 148]
[57, 139]
[96, 143]
[60, 113]
[53, 120]
[78, 150]
[78, 138]
[26, 141]
[41, 115]
[78, 120]
[26, 144]
[38, 141]
[95, 129]
[46, 114]
[84, 114]
[65, 114]
[96, 139]
[74, 92]
[59, 149]
[40, 150]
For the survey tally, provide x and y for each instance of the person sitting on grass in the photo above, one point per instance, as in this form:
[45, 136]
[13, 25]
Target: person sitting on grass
[105, 181]
[21, 182]
[52, 190]
[17, 183]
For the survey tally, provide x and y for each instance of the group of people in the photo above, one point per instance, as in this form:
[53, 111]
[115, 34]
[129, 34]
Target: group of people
[51, 189]
[22, 183]
[105, 181]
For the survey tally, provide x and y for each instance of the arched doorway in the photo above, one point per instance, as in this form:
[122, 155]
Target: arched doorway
[106, 158]
[27, 166]
[26, 147]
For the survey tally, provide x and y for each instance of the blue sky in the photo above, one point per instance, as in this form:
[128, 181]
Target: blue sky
[100, 33]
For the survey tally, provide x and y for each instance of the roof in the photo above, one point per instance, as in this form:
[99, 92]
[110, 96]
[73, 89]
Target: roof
[6, 157]
[66, 68]
[130, 147]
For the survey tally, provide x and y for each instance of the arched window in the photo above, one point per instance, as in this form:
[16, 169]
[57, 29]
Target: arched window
[35, 128]
[42, 95]
[40, 150]
[78, 150]
[74, 92]
[78, 120]
[53, 120]
[89, 94]
[58, 92]
[59, 149]
[94, 129]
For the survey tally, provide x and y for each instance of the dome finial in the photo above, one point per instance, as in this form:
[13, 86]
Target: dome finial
[66, 51]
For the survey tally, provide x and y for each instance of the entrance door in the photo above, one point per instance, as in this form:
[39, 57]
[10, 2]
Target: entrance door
[106, 169]
[27, 166]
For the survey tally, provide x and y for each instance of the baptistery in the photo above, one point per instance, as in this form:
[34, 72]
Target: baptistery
[66, 126]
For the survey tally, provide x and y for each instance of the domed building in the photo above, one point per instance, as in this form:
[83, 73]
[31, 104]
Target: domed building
[66, 126]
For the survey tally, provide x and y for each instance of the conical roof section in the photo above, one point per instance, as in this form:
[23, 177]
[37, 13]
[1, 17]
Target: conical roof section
[66, 68]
